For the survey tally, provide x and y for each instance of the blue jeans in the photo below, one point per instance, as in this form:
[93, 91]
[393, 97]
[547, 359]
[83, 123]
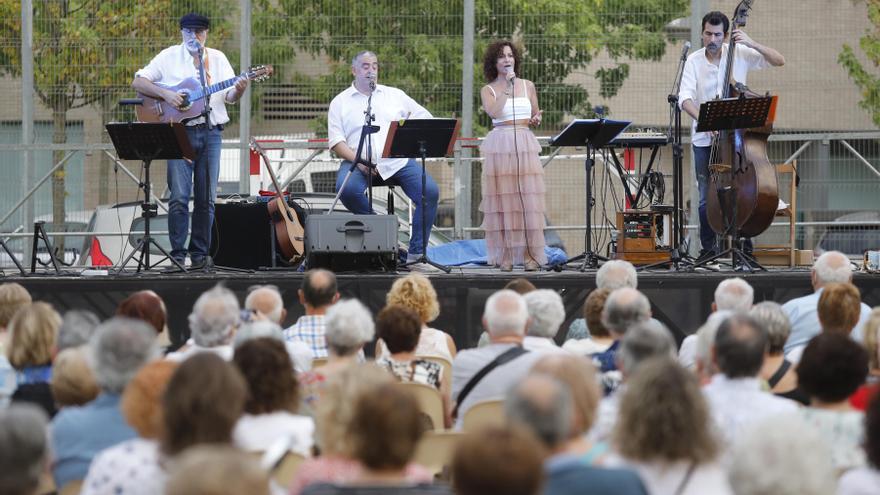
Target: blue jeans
[708, 239]
[199, 178]
[409, 178]
[701, 167]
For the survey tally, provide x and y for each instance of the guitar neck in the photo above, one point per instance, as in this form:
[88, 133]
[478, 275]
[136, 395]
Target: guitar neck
[220, 86]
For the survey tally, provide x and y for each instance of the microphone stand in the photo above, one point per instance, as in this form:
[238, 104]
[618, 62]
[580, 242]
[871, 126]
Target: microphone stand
[366, 131]
[678, 256]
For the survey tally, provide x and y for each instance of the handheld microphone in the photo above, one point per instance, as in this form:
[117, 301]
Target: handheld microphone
[685, 50]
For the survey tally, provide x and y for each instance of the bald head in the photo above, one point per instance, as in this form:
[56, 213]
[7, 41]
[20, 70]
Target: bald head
[623, 309]
[832, 267]
[318, 290]
[542, 404]
[267, 301]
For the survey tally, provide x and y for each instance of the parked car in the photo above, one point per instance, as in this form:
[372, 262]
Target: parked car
[852, 240]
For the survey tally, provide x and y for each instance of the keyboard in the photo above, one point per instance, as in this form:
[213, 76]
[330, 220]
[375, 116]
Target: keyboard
[638, 140]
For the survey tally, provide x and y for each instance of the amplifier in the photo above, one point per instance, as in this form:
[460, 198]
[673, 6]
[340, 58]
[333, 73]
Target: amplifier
[643, 236]
[346, 242]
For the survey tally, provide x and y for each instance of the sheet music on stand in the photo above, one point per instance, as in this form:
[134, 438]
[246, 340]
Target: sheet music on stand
[150, 141]
[736, 113]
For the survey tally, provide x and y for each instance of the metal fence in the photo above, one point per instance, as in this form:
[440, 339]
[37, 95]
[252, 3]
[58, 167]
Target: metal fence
[615, 58]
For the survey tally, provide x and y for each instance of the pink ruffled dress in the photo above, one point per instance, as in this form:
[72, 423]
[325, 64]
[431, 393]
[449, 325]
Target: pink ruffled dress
[513, 189]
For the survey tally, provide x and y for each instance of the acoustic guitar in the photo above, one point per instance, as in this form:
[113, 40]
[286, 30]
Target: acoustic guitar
[288, 230]
[194, 99]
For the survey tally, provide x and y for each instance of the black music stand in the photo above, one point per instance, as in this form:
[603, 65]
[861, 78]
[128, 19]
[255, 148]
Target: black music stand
[594, 134]
[148, 141]
[422, 138]
[729, 114]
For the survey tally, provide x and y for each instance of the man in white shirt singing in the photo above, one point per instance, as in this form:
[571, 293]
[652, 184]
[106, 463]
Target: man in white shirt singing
[345, 122]
[702, 81]
[170, 67]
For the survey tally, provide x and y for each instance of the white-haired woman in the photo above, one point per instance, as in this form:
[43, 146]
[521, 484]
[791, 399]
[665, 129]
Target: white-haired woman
[348, 326]
[212, 323]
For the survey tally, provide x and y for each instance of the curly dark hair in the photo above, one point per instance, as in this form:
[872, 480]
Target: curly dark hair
[399, 327]
[872, 432]
[832, 367]
[493, 53]
[268, 371]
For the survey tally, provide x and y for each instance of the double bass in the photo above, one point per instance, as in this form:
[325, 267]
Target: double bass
[739, 170]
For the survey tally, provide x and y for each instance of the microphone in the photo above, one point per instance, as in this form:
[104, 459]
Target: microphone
[372, 78]
[685, 49]
[131, 101]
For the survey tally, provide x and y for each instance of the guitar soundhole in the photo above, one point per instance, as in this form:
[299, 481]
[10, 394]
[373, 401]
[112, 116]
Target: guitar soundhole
[187, 104]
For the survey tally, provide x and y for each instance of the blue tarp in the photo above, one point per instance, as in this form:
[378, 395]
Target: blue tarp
[473, 252]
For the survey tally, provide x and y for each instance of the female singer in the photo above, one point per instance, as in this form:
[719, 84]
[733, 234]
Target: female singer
[513, 178]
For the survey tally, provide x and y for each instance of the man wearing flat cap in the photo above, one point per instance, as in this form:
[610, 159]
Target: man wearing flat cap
[170, 67]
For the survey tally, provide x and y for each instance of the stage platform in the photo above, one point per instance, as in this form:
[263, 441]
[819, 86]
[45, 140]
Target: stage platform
[682, 300]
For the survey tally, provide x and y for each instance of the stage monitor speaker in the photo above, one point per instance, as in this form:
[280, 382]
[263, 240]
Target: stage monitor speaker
[346, 242]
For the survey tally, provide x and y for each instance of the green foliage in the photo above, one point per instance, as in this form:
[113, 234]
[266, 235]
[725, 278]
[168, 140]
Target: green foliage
[868, 83]
[419, 44]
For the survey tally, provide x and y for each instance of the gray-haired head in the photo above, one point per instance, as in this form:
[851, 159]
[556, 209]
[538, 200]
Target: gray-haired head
[546, 312]
[349, 325]
[740, 345]
[617, 274]
[256, 330]
[734, 294]
[833, 267]
[267, 300]
[776, 323]
[799, 456]
[505, 314]
[23, 448]
[643, 341]
[542, 404]
[623, 309]
[214, 317]
[77, 327]
[706, 341]
[358, 55]
[118, 349]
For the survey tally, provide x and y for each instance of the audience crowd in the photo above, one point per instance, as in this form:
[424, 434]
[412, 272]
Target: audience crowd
[763, 398]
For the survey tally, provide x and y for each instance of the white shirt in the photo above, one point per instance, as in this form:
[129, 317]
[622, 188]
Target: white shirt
[738, 403]
[496, 383]
[345, 120]
[191, 349]
[702, 80]
[129, 468]
[606, 416]
[862, 481]
[687, 353]
[175, 64]
[545, 345]
[256, 433]
[585, 347]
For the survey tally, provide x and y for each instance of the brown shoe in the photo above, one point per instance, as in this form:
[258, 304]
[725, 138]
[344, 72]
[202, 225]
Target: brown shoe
[506, 266]
[532, 266]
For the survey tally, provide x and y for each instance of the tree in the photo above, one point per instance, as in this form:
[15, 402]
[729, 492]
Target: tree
[418, 43]
[867, 82]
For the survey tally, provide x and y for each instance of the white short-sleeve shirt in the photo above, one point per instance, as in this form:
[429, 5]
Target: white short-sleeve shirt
[345, 121]
[175, 64]
[701, 80]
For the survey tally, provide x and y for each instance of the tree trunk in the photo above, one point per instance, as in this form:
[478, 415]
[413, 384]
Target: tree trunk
[59, 136]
